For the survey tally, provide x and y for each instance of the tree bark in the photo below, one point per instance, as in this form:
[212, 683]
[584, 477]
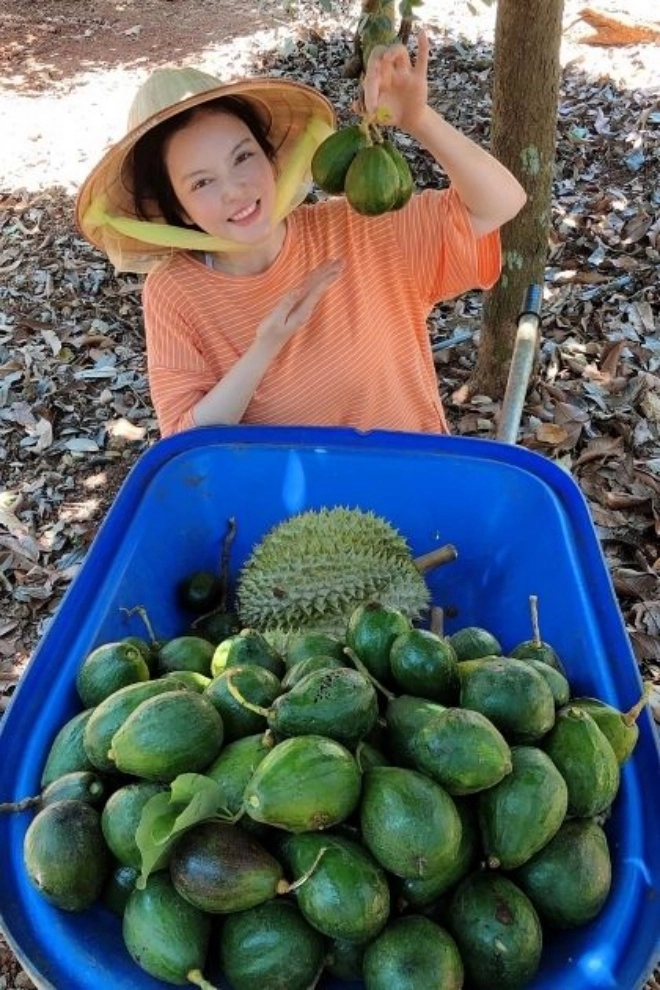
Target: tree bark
[525, 92]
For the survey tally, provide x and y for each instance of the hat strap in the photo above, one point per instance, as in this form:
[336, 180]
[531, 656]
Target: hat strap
[291, 187]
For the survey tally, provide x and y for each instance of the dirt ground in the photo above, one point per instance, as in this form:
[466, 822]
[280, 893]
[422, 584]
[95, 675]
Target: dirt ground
[69, 68]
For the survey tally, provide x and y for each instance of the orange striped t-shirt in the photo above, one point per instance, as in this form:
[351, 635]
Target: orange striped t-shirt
[363, 359]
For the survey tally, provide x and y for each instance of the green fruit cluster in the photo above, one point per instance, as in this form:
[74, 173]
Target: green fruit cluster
[389, 805]
[369, 170]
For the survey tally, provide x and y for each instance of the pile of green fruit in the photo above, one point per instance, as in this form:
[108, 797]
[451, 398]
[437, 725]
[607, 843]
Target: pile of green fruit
[395, 806]
[367, 168]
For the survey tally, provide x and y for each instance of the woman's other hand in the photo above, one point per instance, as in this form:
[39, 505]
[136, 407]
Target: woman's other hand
[296, 307]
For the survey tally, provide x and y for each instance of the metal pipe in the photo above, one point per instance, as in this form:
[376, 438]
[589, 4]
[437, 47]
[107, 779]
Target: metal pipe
[522, 363]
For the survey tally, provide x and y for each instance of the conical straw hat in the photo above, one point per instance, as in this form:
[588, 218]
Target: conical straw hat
[105, 207]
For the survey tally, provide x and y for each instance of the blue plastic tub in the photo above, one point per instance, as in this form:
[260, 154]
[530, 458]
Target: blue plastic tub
[521, 527]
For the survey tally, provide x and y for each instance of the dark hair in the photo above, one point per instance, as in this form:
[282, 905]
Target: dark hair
[150, 180]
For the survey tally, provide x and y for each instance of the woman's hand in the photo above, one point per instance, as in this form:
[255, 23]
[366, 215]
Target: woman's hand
[392, 85]
[295, 308]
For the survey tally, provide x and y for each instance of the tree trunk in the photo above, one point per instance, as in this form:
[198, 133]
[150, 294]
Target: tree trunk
[525, 90]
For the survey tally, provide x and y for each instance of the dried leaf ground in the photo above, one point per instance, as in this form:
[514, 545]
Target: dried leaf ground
[75, 411]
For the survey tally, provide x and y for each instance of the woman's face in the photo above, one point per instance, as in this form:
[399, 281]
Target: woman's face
[222, 177]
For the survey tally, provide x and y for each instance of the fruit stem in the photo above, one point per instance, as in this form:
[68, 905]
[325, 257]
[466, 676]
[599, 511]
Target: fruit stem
[237, 696]
[437, 620]
[352, 655]
[142, 612]
[196, 976]
[224, 560]
[308, 873]
[434, 558]
[364, 127]
[24, 805]
[630, 717]
[534, 613]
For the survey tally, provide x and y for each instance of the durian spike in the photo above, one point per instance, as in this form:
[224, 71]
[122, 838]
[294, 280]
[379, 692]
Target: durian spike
[434, 558]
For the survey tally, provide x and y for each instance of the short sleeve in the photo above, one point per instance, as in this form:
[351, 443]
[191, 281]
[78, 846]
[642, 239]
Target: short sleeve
[443, 253]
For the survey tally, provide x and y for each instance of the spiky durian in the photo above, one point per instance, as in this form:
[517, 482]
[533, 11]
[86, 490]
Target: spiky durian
[312, 570]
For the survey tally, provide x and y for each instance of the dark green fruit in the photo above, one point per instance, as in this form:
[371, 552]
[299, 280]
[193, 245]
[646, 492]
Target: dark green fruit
[371, 631]
[474, 642]
[569, 880]
[166, 935]
[408, 822]
[521, 814]
[106, 669]
[246, 648]
[372, 184]
[586, 761]
[65, 855]
[412, 953]
[270, 945]
[406, 182]
[220, 869]
[514, 696]
[67, 752]
[333, 157]
[200, 591]
[461, 750]
[185, 653]
[497, 931]
[256, 685]
[424, 665]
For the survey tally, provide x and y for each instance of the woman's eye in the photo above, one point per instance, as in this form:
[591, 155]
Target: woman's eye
[243, 156]
[200, 183]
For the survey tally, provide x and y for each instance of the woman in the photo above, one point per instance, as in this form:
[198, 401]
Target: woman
[261, 310]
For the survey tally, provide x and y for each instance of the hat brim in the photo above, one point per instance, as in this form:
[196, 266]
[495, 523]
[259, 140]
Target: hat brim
[285, 105]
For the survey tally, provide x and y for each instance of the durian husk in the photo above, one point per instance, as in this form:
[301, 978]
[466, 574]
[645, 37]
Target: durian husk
[312, 570]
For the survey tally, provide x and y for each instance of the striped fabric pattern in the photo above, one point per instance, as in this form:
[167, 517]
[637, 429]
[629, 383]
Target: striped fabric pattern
[363, 359]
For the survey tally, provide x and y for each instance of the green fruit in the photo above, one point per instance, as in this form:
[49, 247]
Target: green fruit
[302, 646]
[65, 855]
[332, 158]
[345, 893]
[569, 880]
[165, 935]
[521, 814]
[220, 868]
[216, 626]
[371, 631]
[372, 184]
[234, 767]
[619, 728]
[185, 653]
[188, 679]
[200, 591]
[173, 733]
[420, 892]
[557, 682]
[412, 953]
[405, 716]
[474, 642]
[67, 752]
[304, 783]
[461, 750]
[533, 649]
[340, 704]
[406, 182]
[121, 816]
[79, 785]
[309, 666]
[424, 665]
[119, 887]
[514, 696]
[256, 685]
[497, 931]
[111, 714]
[329, 561]
[408, 822]
[106, 669]
[270, 945]
[246, 648]
[344, 959]
[585, 760]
